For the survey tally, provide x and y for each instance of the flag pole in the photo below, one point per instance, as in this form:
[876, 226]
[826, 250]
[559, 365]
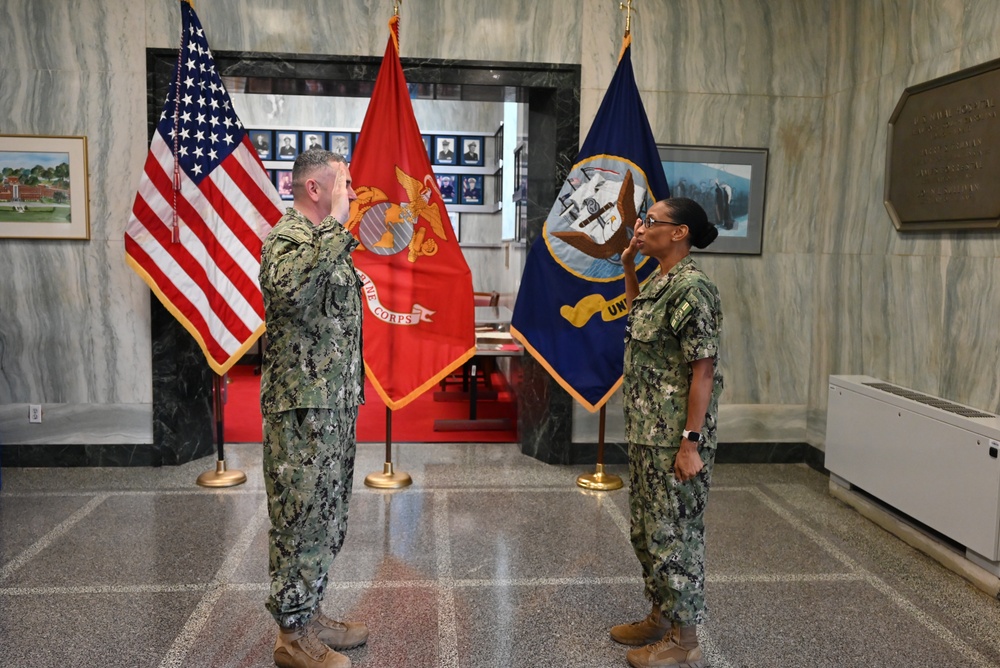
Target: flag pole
[388, 479]
[599, 480]
[220, 477]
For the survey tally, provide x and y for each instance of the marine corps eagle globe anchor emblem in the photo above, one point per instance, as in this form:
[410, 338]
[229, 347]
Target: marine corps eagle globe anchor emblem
[386, 228]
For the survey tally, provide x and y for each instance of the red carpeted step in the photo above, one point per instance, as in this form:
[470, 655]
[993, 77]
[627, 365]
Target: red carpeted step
[411, 424]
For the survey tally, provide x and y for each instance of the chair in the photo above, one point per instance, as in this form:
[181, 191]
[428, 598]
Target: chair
[486, 298]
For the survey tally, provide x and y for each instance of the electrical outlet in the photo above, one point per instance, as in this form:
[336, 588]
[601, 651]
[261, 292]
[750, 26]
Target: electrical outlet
[34, 413]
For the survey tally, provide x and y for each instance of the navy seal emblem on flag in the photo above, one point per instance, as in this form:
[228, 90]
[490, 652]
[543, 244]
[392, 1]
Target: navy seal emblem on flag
[591, 221]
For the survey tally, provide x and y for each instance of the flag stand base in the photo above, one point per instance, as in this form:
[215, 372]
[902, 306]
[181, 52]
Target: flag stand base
[599, 480]
[220, 477]
[388, 479]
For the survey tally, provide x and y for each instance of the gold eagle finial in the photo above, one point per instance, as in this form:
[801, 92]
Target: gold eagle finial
[627, 8]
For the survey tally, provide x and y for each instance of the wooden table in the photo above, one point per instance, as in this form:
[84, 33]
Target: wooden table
[496, 344]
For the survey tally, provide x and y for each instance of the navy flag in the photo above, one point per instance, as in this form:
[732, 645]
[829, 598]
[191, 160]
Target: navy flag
[570, 310]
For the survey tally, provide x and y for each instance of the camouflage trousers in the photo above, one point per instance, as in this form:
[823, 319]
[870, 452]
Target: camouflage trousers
[308, 474]
[668, 530]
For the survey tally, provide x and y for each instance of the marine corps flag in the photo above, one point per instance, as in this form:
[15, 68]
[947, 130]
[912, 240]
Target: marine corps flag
[419, 325]
[570, 310]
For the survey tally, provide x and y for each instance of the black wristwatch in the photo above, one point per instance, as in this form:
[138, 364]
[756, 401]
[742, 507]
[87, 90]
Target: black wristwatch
[693, 436]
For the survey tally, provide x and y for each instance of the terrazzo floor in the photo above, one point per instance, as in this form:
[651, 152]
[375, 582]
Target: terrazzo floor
[491, 559]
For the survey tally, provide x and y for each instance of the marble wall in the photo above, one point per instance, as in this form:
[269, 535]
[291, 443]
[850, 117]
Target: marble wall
[836, 290]
[918, 310]
[74, 319]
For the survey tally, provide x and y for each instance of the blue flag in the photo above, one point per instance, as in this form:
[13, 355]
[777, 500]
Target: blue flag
[570, 311]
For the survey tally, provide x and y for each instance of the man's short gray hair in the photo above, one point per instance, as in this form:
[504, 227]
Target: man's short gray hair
[311, 161]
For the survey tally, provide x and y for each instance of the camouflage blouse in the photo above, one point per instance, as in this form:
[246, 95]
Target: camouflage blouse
[312, 305]
[676, 319]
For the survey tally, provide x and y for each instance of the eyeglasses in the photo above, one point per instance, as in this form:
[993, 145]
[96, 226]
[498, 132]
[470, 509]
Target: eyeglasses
[649, 221]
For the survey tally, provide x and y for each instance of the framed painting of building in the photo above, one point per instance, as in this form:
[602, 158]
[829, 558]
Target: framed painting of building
[43, 187]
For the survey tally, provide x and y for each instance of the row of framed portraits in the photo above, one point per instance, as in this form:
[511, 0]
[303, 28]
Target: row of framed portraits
[287, 144]
[455, 188]
[464, 150]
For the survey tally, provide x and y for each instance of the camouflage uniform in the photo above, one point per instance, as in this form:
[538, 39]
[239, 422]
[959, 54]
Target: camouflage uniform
[675, 320]
[311, 384]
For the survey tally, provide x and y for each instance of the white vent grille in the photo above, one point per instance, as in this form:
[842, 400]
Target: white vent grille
[928, 400]
[932, 459]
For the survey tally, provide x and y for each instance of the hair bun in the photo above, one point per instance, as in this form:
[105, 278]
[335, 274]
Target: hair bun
[705, 236]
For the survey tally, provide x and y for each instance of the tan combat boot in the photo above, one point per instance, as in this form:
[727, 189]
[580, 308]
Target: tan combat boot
[301, 648]
[339, 635]
[649, 630]
[678, 650]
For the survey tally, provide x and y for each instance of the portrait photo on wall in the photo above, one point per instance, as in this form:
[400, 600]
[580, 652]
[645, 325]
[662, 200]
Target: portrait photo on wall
[340, 142]
[283, 182]
[444, 150]
[447, 186]
[728, 183]
[472, 151]
[313, 140]
[427, 146]
[288, 145]
[472, 189]
[261, 140]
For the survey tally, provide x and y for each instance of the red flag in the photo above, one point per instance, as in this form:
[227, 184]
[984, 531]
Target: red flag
[203, 208]
[420, 323]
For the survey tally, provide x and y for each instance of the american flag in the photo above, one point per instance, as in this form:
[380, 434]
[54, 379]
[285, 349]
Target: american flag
[204, 205]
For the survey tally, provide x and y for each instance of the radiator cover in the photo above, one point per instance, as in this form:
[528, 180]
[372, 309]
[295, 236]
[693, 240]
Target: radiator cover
[932, 459]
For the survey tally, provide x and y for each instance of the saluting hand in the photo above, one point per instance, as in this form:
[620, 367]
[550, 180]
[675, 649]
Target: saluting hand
[342, 193]
[628, 255]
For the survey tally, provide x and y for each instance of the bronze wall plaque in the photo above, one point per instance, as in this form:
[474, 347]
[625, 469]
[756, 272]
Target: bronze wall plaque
[942, 168]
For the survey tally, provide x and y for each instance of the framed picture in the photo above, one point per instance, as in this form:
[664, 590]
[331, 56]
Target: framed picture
[422, 91]
[444, 150]
[472, 151]
[427, 146]
[472, 189]
[43, 187]
[283, 182]
[288, 145]
[447, 186]
[311, 140]
[449, 91]
[520, 193]
[340, 142]
[498, 147]
[728, 183]
[262, 140]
